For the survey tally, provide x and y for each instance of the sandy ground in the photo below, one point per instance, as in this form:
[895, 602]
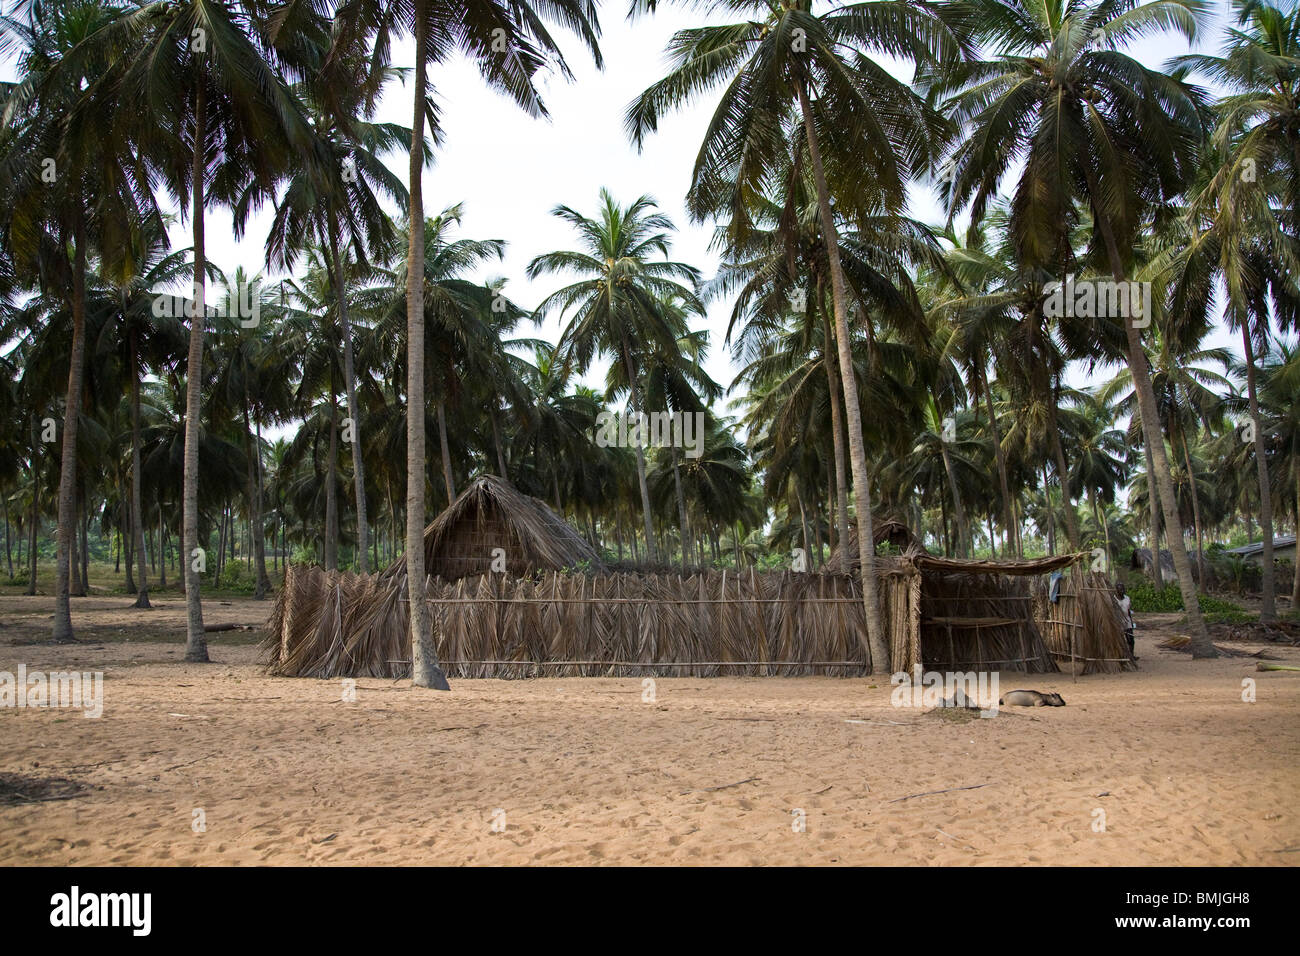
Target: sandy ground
[582, 771]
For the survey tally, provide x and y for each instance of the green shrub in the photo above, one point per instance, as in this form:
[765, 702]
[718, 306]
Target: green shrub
[236, 576]
[1147, 599]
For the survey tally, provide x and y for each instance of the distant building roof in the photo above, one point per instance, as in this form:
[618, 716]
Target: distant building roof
[1248, 550]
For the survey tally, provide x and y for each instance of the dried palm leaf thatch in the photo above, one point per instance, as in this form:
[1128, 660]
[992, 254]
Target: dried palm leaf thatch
[1084, 628]
[888, 530]
[331, 624]
[711, 623]
[977, 619]
[491, 514]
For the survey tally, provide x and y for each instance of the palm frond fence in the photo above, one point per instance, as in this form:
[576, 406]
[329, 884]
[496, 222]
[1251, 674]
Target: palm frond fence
[709, 624]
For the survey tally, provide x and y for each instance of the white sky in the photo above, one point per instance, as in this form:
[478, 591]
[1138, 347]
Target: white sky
[510, 170]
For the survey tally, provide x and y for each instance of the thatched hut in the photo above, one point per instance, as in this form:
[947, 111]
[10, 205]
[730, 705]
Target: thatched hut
[530, 618]
[967, 615]
[492, 525]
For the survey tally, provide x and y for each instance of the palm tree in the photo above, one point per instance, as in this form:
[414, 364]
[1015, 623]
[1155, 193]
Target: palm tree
[1279, 376]
[137, 337]
[337, 208]
[673, 380]
[1187, 390]
[627, 304]
[1247, 227]
[1086, 126]
[92, 190]
[512, 45]
[1098, 466]
[251, 369]
[788, 63]
[218, 118]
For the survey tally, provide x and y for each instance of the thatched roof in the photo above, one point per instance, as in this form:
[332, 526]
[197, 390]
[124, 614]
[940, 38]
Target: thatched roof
[491, 514]
[1032, 566]
[895, 532]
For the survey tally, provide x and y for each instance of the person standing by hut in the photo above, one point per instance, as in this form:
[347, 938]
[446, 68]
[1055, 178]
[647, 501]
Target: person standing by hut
[1126, 608]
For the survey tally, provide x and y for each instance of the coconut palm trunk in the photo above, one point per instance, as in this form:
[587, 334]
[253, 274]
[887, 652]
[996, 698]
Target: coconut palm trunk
[425, 671]
[635, 400]
[1268, 608]
[253, 456]
[879, 647]
[9, 554]
[34, 526]
[965, 542]
[1062, 470]
[1196, 513]
[1013, 529]
[448, 479]
[496, 443]
[1295, 582]
[68, 473]
[331, 490]
[137, 510]
[841, 502]
[681, 509]
[1153, 513]
[196, 642]
[1201, 645]
[354, 411]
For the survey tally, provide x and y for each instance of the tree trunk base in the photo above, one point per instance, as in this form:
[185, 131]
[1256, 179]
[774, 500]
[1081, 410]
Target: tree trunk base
[142, 601]
[437, 680]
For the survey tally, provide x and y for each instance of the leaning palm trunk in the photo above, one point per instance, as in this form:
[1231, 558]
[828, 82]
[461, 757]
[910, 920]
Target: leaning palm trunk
[354, 412]
[425, 671]
[137, 512]
[857, 450]
[1268, 609]
[196, 642]
[1155, 442]
[68, 475]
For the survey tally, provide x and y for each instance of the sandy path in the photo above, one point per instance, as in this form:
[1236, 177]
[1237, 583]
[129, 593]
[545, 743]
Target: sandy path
[587, 772]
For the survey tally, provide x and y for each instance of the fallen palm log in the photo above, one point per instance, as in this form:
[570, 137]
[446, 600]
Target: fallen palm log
[1261, 666]
[1181, 642]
